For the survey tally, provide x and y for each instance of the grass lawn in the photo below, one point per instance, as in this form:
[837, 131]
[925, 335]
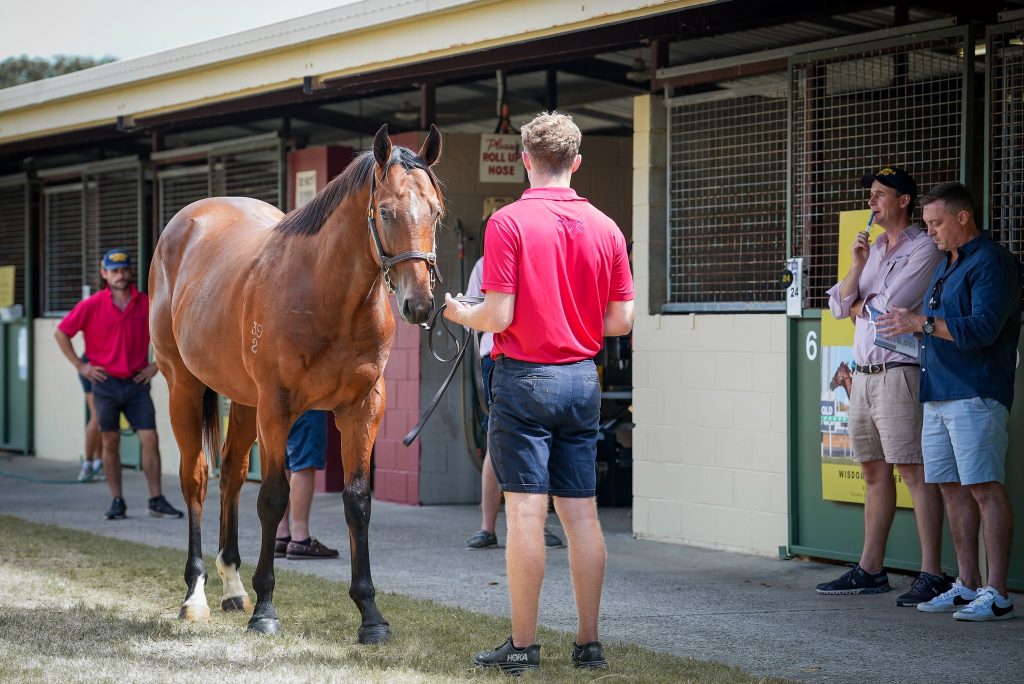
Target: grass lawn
[77, 607]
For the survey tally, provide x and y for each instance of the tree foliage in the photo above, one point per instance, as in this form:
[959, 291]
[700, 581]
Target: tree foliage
[24, 69]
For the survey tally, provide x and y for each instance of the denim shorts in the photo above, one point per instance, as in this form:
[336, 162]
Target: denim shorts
[115, 396]
[965, 441]
[86, 382]
[544, 427]
[307, 442]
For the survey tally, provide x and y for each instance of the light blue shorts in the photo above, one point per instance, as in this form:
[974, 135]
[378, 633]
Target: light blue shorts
[965, 441]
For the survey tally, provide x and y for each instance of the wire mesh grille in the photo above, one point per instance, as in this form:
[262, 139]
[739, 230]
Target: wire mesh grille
[63, 263]
[887, 105]
[179, 189]
[727, 200]
[111, 218]
[13, 216]
[254, 173]
[1006, 145]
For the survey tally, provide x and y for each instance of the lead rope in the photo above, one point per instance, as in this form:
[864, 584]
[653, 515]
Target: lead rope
[469, 339]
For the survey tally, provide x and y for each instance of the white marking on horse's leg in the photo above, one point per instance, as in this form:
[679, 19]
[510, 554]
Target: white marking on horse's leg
[235, 597]
[195, 606]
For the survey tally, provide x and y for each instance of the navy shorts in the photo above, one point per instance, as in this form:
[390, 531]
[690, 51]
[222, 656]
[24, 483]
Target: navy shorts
[486, 367]
[307, 442]
[86, 382]
[115, 396]
[544, 427]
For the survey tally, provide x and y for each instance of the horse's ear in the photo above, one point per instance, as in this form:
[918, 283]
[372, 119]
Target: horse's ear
[382, 146]
[431, 150]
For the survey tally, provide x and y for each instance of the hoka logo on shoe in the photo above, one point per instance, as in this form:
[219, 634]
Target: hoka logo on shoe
[516, 658]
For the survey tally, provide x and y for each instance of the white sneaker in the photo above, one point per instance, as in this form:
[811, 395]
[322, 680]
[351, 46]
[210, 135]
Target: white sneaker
[86, 474]
[950, 601]
[989, 605]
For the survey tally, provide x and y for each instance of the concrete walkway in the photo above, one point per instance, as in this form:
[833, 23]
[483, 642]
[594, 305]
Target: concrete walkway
[759, 614]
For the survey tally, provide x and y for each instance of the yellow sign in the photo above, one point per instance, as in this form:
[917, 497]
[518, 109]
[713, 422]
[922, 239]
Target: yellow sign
[7, 286]
[840, 475]
[843, 482]
[840, 333]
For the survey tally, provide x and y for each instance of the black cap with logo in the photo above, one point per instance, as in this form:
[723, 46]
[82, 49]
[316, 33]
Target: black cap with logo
[894, 177]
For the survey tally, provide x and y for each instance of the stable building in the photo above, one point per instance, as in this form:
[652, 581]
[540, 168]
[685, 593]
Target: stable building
[725, 138]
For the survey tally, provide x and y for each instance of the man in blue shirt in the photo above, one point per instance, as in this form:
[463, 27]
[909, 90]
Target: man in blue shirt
[969, 334]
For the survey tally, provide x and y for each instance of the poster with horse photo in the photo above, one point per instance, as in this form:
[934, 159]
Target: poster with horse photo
[840, 474]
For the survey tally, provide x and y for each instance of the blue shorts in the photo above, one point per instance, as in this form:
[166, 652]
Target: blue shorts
[486, 368]
[115, 396]
[965, 441]
[544, 427]
[307, 442]
[86, 382]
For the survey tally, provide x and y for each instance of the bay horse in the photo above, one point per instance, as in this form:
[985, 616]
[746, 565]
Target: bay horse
[843, 377]
[282, 314]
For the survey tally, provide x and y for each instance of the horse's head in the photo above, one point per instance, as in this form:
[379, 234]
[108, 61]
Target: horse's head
[842, 373]
[405, 206]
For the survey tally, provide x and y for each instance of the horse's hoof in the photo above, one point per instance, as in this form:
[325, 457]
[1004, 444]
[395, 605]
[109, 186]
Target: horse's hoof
[194, 613]
[374, 634]
[265, 625]
[232, 603]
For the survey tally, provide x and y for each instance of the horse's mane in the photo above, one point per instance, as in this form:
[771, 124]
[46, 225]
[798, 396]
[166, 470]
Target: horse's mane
[310, 218]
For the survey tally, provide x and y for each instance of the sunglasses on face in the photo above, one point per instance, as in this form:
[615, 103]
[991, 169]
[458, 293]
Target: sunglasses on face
[933, 300]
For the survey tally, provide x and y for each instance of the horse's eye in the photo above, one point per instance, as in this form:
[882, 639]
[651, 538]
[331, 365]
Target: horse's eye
[383, 214]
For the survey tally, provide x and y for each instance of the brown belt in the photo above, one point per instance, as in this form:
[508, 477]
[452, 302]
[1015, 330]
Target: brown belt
[872, 368]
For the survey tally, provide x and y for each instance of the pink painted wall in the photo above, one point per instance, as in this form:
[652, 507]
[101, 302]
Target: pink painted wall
[396, 475]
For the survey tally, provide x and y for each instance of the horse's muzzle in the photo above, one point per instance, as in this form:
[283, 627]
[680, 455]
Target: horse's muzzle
[416, 310]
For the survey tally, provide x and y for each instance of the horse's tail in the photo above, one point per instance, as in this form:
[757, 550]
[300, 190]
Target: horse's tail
[211, 426]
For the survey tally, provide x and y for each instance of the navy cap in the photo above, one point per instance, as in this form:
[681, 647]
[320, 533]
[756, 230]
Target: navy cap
[116, 258]
[894, 177]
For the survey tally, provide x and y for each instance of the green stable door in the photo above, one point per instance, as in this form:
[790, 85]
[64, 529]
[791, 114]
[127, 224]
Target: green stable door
[826, 528]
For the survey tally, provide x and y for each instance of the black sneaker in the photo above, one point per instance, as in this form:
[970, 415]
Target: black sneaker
[856, 581]
[924, 589]
[160, 508]
[117, 509]
[589, 654]
[551, 540]
[481, 540]
[510, 659]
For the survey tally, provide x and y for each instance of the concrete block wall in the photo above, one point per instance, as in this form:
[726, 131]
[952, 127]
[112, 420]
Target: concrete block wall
[709, 398]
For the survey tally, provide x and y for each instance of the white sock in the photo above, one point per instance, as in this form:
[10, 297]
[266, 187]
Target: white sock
[97, 464]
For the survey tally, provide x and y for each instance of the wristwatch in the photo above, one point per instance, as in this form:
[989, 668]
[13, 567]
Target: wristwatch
[929, 326]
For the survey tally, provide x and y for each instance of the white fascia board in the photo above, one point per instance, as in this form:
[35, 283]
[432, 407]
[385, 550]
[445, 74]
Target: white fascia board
[290, 33]
[357, 38]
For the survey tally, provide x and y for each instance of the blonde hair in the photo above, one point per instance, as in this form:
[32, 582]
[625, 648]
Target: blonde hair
[552, 140]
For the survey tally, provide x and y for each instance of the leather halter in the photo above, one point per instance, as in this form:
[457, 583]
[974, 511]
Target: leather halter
[386, 262]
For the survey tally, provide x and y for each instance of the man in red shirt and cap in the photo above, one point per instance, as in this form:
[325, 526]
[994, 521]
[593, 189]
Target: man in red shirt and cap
[115, 324]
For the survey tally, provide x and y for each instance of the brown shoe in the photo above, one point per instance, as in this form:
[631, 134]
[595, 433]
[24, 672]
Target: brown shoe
[311, 549]
[281, 547]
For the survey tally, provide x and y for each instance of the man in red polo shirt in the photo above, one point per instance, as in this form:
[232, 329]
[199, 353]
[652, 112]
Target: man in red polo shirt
[115, 324]
[557, 281]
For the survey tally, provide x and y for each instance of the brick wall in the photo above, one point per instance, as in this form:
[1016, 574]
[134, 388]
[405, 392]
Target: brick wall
[396, 466]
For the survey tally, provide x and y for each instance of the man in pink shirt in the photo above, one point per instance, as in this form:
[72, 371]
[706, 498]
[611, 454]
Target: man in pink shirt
[885, 412]
[556, 282]
[115, 324]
